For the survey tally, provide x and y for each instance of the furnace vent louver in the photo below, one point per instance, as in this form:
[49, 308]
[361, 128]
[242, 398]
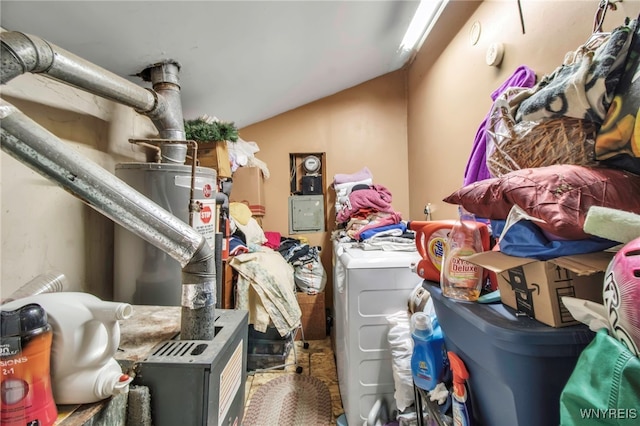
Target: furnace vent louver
[179, 349]
[183, 351]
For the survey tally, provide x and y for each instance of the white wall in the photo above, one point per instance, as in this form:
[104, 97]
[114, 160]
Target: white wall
[44, 227]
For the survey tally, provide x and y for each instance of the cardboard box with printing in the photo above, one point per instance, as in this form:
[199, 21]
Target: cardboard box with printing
[536, 287]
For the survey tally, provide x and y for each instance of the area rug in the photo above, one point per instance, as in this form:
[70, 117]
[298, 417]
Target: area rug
[290, 400]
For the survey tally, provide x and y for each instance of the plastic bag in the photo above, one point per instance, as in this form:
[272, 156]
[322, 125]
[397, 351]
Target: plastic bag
[401, 346]
[242, 154]
[310, 277]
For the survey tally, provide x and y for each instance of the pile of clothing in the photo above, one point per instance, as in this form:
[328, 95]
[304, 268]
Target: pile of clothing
[309, 274]
[265, 285]
[364, 214]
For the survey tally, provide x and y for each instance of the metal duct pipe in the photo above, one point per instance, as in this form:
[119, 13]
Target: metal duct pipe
[30, 143]
[21, 53]
[164, 78]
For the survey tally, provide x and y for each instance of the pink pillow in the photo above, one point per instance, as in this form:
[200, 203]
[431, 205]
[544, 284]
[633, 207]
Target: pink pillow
[560, 195]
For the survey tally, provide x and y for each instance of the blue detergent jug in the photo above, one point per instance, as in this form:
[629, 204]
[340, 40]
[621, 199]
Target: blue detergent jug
[429, 353]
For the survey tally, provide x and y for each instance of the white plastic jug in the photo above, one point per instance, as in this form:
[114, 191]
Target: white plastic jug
[86, 335]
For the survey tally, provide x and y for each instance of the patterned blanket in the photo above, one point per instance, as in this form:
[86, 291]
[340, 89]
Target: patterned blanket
[583, 86]
[266, 289]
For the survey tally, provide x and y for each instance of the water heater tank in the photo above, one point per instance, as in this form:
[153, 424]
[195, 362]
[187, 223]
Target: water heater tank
[144, 274]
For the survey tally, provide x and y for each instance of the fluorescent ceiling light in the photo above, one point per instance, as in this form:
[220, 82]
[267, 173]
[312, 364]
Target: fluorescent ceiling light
[420, 26]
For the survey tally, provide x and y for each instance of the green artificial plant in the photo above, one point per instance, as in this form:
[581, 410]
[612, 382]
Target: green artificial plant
[201, 130]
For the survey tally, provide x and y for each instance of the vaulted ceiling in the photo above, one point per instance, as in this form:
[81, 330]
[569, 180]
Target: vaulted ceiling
[241, 61]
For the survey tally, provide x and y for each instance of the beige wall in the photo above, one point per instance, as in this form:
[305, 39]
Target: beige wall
[358, 127]
[449, 84]
[361, 126]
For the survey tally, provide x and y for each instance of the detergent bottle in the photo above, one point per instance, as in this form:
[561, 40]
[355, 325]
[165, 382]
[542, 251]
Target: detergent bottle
[460, 279]
[25, 380]
[431, 237]
[461, 402]
[86, 335]
[431, 243]
[426, 364]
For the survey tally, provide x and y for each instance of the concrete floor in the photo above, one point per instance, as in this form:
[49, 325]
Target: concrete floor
[317, 361]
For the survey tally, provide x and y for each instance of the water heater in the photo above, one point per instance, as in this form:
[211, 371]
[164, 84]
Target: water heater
[144, 274]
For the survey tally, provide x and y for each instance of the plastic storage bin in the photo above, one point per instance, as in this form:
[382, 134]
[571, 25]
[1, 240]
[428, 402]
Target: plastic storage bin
[264, 359]
[517, 365]
[272, 333]
[268, 349]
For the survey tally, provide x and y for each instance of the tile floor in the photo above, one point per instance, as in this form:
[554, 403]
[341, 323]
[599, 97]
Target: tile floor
[318, 361]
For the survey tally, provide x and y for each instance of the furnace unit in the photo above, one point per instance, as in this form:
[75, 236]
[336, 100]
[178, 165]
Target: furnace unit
[199, 382]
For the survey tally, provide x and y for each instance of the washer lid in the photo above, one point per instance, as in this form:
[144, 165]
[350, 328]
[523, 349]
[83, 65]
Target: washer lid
[354, 257]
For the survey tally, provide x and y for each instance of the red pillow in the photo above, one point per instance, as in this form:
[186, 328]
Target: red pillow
[560, 195]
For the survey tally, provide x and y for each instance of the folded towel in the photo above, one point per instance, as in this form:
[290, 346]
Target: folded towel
[613, 224]
[345, 187]
[354, 177]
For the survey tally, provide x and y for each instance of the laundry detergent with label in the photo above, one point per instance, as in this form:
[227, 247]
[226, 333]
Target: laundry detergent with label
[25, 381]
[460, 279]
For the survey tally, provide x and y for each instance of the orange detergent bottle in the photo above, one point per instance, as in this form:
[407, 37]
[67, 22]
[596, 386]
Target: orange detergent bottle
[25, 354]
[460, 398]
[431, 236]
[431, 240]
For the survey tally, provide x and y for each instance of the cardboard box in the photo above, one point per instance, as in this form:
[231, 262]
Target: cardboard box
[228, 286]
[216, 156]
[248, 188]
[314, 321]
[536, 287]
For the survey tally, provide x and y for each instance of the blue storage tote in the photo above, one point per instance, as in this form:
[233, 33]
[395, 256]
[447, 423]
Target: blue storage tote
[517, 365]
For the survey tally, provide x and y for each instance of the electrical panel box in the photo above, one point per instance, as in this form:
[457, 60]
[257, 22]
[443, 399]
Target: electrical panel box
[306, 214]
[311, 185]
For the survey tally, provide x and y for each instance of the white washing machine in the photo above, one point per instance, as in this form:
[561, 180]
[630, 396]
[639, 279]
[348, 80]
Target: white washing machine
[369, 285]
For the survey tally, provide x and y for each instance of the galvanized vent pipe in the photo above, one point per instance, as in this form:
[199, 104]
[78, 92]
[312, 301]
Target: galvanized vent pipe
[22, 53]
[33, 145]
